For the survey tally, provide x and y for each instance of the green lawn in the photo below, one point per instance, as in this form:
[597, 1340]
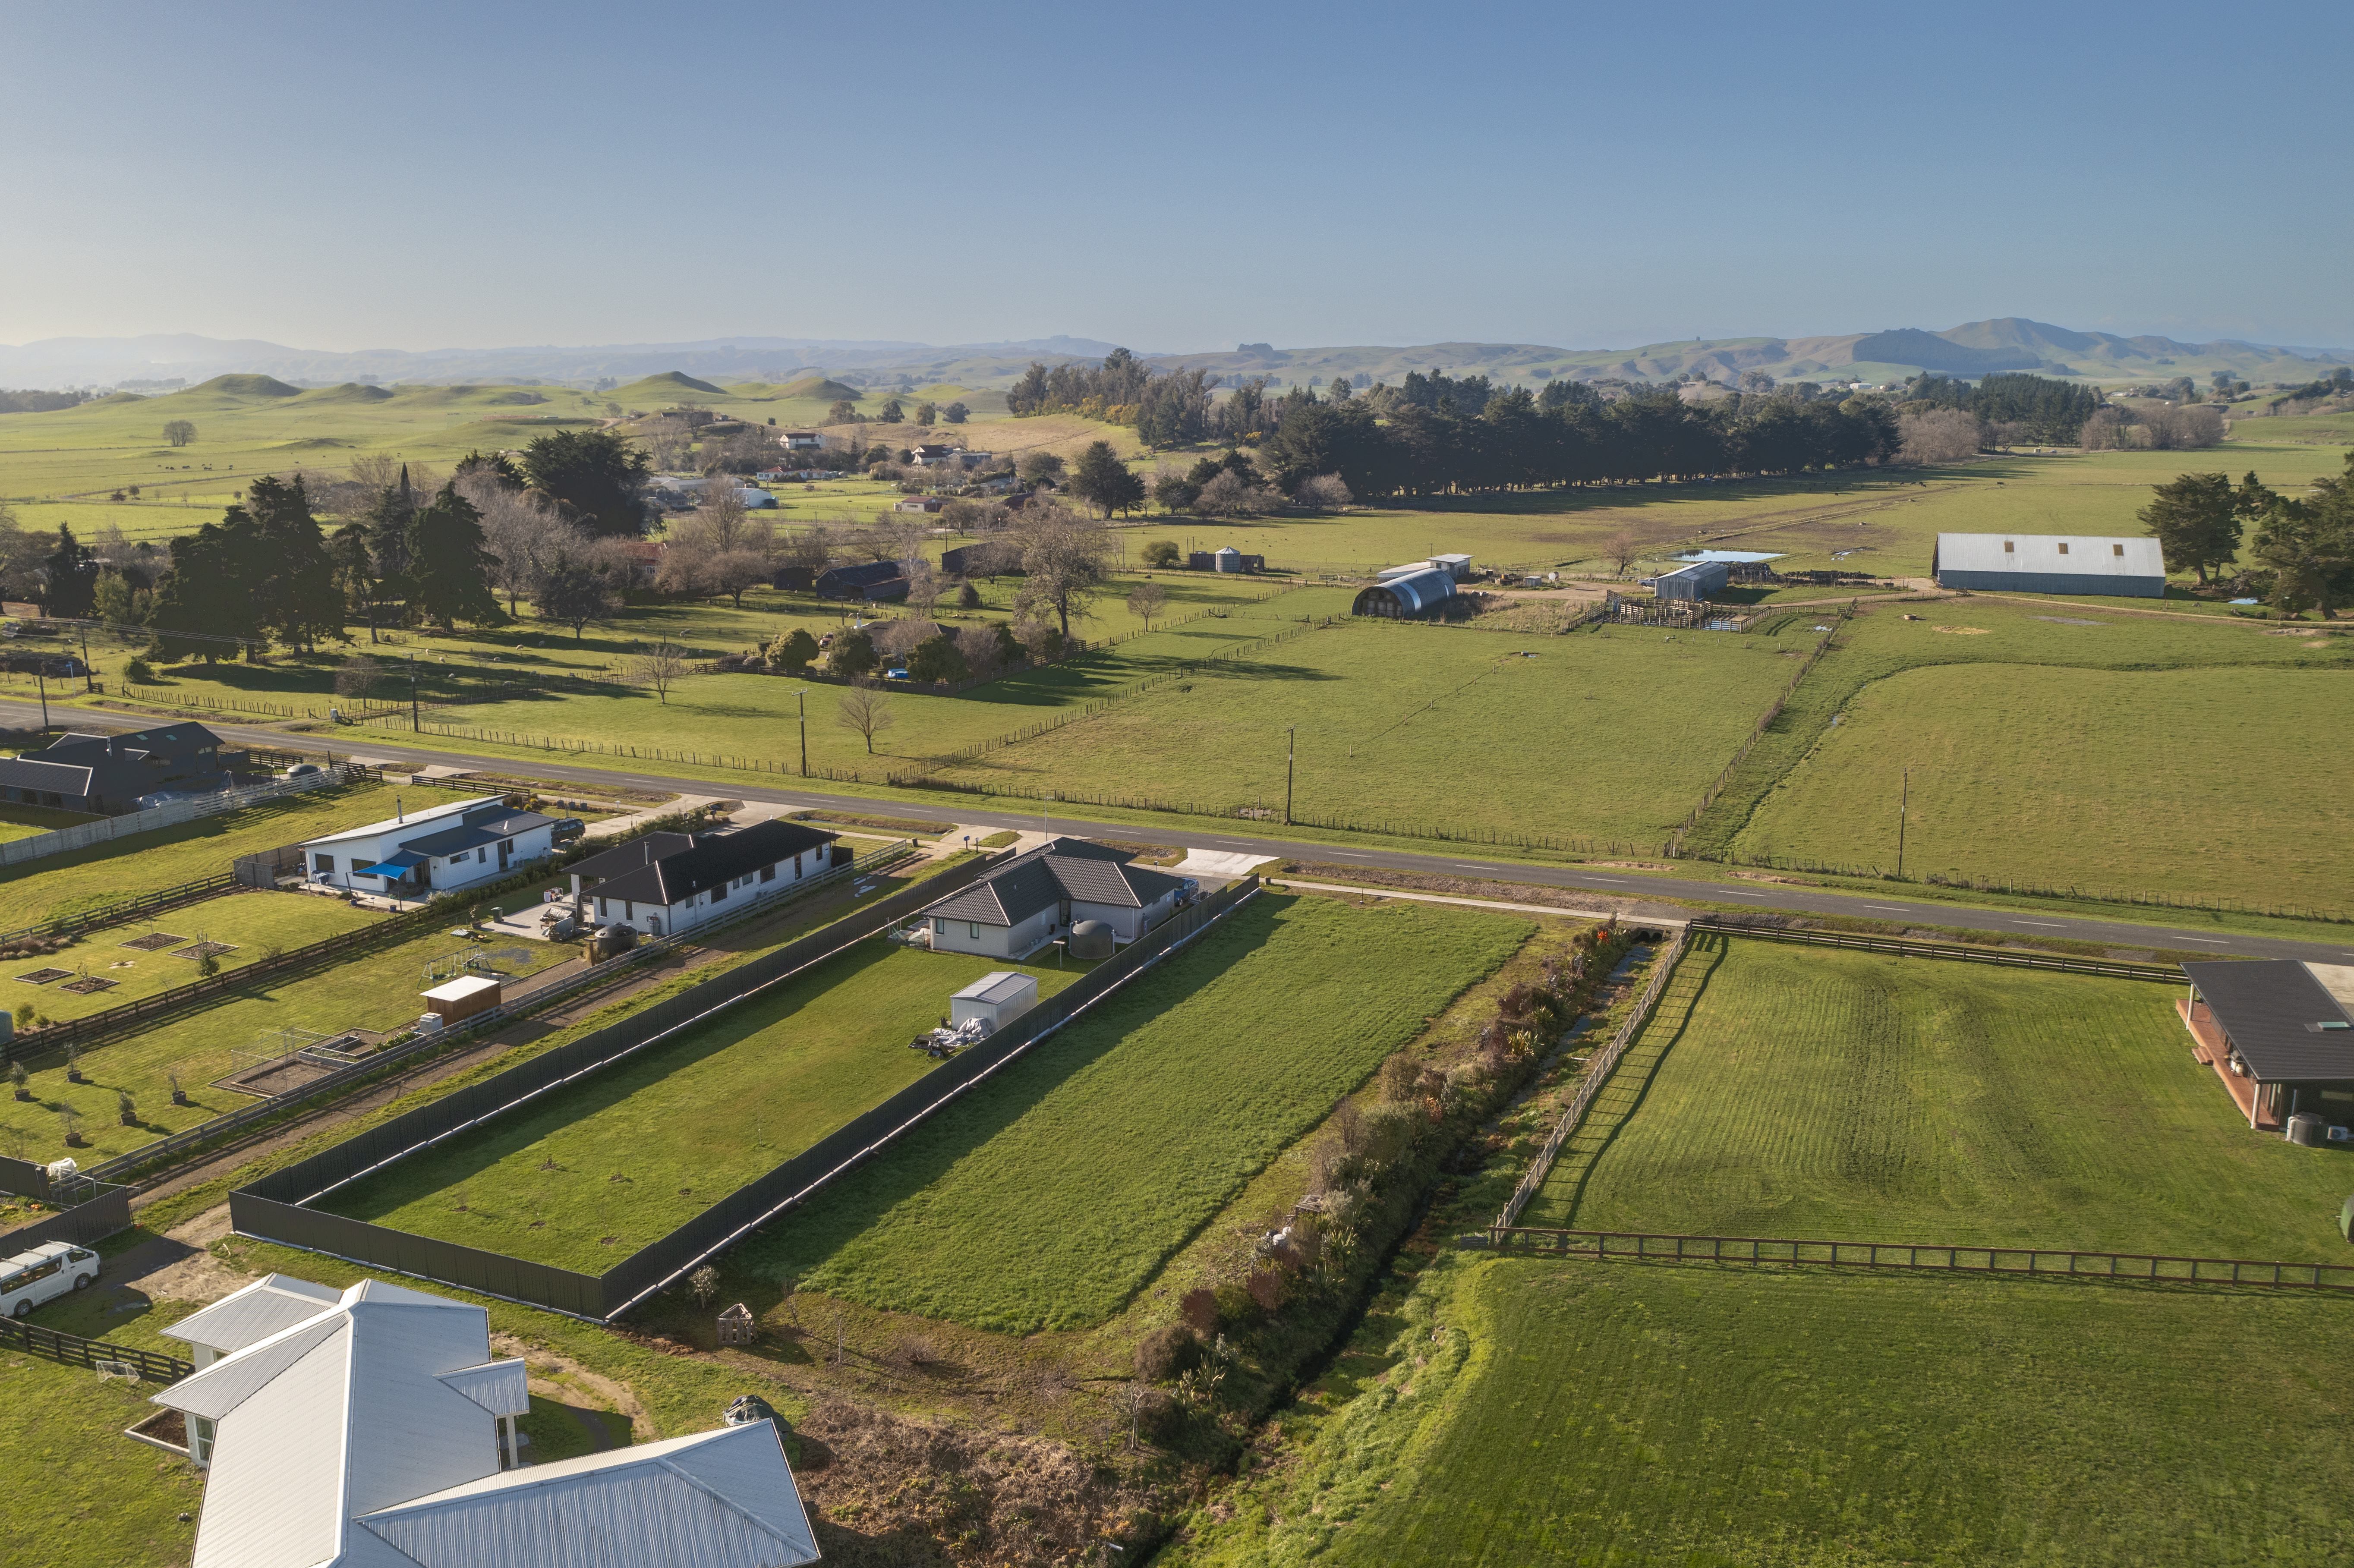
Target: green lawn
[1803, 1092]
[255, 924]
[1049, 1195]
[644, 1147]
[1512, 1413]
[166, 857]
[1604, 737]
[2061, 747]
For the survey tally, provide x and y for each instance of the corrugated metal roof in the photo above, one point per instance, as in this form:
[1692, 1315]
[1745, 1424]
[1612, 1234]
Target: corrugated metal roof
[998, 985]
[399, 824]
[2085, 555]
[1419, 591]
[58, 777]
[2273, 1009]
[716, 1499]
[274, 1494]
[479, 835]
[1075, 869]
[242, 1318]
[503, 1388]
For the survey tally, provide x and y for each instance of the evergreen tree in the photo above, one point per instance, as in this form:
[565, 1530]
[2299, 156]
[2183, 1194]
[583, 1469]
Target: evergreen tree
[351, 553]
[72, 578]
[2195, 522]
[299, 598]
[596, 475]
[204, 606]
[1102, 479]
[449, 564]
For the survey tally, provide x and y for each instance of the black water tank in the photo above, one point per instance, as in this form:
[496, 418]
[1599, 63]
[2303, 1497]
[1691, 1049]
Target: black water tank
[1091, 939]
[2307, 1131]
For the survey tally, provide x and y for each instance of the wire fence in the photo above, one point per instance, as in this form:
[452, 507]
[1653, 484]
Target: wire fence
[1708, 797]
[2005, 957]
[1597, 1073]
[104, 829]
[1646, 1247]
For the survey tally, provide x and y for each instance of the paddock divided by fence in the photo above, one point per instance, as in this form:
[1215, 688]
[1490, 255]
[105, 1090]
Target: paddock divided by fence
[1597, 1073]
[2008, 957]
[1646, 1247]
[104, 829]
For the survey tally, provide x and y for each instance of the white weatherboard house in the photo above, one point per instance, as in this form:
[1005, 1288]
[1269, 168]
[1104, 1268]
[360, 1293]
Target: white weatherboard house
[1018, 909]
[666, 882]
[371, 1428]
[2122, 567]
[433, 850]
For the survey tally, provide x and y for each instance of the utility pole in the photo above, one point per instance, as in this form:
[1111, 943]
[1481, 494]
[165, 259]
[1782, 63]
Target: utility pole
[41, 678]
[86, 684]
[1904, 799]
[802, 697]
[415, 718]
[1291, 755]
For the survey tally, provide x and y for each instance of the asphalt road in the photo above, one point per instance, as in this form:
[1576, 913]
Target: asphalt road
[1766, 897]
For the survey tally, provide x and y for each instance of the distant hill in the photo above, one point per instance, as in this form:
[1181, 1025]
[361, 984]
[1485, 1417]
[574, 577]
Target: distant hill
[669, 387]
[349, 392]
[242, 386]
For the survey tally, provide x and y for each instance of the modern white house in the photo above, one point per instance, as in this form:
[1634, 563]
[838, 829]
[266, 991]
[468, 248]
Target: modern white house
[1024, 904]
[665, 883]
[371, 1428]
[436, 850]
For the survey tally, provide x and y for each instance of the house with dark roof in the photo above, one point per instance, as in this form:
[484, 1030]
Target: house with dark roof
[1023, 905]
[665, 883]
[867, 579]
[2280, 1035]
[112, 774]
[437, 850]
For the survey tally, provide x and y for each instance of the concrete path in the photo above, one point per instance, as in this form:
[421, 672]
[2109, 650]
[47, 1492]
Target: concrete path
[1676, 920]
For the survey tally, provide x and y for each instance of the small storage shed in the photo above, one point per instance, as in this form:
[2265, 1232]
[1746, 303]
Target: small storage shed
[457, 1000]
[1696, 581]
[996, 999]
[1456, 565]
[1397, 598]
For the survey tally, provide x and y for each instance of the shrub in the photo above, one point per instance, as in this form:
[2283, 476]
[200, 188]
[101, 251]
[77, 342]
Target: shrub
[1162, 553]
[1398, 1076]
[1267, 1288]
[17, 1076]
[1199, 1308]
[139, 670]
[1166, 1351]
[1160, 1420]
[126, 1110]
[967, 597]
[912, 1352]
[1237, 1307]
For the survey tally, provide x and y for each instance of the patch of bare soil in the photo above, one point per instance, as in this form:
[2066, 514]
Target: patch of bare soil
[889, 1489]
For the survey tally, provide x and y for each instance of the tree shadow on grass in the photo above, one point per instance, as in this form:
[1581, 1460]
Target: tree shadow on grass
[799, 1242]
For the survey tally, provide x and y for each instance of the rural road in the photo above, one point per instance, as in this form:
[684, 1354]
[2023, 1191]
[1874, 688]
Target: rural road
[1600, 881]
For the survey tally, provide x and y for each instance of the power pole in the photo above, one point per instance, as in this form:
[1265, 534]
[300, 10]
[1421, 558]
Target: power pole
[88, 684]
[41, 678]
[416, 719]
[802, 697]
[1291, 755]
[1904, 799]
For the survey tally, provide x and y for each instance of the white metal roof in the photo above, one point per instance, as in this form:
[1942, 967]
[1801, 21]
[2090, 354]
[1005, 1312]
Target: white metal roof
[459, 990]
[998, 985]
[364, 1436]
[724, 1499]
[2084, 556]
[403, 822]
[270, 1303]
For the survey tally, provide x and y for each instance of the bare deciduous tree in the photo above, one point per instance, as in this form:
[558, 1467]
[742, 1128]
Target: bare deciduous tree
[924, 585]
[867, 713]
[1144, 602]
[1622, 551]
[357, 677]
[1066, 557]
[1325, 492]
[659, 668]
[1940, 435]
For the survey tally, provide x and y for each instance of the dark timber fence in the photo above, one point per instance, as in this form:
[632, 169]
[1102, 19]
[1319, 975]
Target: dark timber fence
[273, 1208]
[2009, 958]
[75, 1351]
[1646, 1247]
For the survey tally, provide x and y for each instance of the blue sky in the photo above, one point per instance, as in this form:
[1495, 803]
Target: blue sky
[1176, 178]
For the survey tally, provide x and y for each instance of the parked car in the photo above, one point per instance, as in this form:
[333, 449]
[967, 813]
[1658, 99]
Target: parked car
[46, 1272]
[303, 770]
[569, 828]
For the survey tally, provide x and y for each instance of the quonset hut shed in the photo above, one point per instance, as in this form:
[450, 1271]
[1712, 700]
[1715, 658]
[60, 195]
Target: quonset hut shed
[1416, 593]
[2051, 563]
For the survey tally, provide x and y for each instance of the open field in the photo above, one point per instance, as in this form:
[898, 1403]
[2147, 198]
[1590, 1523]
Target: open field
[1514, 1412]
[2062, 747]
[1804, 1092]
[1396, 722]
[166, 857]
[645, 1146]
[1047, 1196]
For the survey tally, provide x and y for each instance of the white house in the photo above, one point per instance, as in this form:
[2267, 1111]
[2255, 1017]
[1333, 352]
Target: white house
[1019, 908]
[665, 883]
[371, 1428]
[436, 850]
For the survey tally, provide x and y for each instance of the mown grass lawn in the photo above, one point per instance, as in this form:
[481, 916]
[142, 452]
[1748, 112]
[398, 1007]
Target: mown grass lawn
[1526, 1413]
[1607, 736]
[641, 1149]
[1048, 1195]
[1804, 1092]
[166, 857]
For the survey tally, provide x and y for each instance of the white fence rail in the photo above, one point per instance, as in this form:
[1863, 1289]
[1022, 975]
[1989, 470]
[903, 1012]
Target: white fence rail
[82, 835]
[1597, 1073]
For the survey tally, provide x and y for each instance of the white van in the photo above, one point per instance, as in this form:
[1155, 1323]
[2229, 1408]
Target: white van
[43, 1274]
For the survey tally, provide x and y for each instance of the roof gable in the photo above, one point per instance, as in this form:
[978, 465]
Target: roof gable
[711, 860]
[272, 1303]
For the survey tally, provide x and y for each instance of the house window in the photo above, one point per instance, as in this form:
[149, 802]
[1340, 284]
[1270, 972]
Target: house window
[767, 874]
[719, 893]
[322, 864]
[482, 857]
[506, 846]
[797, 868]
[2116, 550]
[972, 929]
[2008, 548]
[601, 910]
[2063, 549]
[939, 926]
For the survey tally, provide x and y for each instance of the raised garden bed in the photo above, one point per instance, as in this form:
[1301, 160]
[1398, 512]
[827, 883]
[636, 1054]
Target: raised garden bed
[154, 941]
[89, 985]
[199, 949]
[43, 977]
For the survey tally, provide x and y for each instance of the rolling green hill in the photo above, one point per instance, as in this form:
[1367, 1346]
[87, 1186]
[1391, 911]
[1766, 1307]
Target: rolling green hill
[669, 387]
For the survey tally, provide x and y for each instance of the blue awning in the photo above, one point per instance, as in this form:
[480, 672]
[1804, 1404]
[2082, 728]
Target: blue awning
[392, 865]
